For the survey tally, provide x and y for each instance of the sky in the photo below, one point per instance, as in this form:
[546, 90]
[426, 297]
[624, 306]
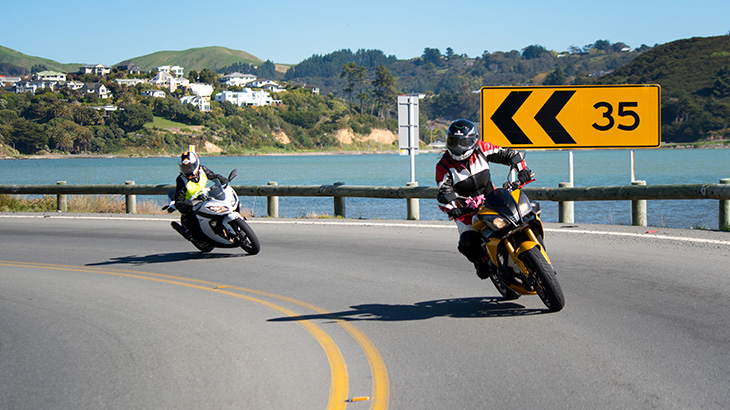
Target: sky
[288, 32]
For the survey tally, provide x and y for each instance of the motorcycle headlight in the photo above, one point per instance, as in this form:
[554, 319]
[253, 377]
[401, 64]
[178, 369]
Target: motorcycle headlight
[493, 222]
[524, 206]
[218, 209]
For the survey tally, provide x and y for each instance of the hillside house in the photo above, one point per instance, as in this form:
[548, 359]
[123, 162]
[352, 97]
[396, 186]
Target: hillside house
[154, 93]
[129, 67]
[49, 76]
[98, 69]
[199, 102]
[237, 79]
[246, 97]
[97, 88]
[166, 80]
[201, 89]
[176, 70]
[130, 82]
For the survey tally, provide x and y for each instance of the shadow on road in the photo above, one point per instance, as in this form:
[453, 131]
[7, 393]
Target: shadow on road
[164, 258]
[458, 308]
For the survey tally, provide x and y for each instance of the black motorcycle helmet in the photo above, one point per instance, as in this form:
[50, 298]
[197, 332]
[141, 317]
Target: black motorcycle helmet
[461, 139]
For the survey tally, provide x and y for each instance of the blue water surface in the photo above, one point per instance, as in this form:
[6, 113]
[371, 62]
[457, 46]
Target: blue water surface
[590, 168]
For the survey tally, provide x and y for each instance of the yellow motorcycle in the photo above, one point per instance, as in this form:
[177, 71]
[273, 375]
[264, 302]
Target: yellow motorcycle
[514, 239]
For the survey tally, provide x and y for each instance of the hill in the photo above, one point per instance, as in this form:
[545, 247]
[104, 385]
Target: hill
[690, 65]
[213, 58]
[16, 63]
[694, 75]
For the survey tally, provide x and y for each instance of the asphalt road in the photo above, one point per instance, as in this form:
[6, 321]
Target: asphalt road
[119, 312]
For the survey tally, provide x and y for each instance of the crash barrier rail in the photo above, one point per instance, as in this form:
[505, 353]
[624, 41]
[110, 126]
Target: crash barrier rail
[638, 193]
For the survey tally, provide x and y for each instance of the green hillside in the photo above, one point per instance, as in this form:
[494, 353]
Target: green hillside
[694, 75]
[197, 59]
[690, 65]
[16, 63]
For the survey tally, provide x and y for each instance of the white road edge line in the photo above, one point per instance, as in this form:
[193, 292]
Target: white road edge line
[383, 224]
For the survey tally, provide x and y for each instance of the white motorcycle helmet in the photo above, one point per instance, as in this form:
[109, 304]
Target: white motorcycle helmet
[189, 164]
[461, 139]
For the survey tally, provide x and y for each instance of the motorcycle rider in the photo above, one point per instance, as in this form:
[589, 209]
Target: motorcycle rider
[191, 180]
[463, 173]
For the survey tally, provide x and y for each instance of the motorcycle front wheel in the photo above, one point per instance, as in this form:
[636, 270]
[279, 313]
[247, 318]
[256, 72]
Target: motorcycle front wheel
[546, 283]
[245, 237]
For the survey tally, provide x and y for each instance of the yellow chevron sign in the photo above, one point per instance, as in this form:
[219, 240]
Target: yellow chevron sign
[572, 117]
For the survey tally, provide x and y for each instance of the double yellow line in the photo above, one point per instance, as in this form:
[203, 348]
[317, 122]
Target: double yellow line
[338, 396]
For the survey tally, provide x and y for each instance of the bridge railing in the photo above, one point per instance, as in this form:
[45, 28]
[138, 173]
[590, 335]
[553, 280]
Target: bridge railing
[638, 193]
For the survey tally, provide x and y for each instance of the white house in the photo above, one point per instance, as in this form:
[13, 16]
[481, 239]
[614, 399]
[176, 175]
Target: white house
[167, 80]
[97, 88]
[33, 86]
[98, 69]
[74, 85]
[154, 93]
[245, 97]
[201, 89]
[5, 80]
[201, 103]
[237, 79]
[49, 76]
[130, 81]
[176, 70]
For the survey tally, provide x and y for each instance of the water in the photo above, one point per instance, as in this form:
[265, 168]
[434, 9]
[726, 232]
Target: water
[591, 168]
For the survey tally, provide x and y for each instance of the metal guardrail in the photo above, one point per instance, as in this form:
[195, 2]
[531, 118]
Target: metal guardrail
[638, 193]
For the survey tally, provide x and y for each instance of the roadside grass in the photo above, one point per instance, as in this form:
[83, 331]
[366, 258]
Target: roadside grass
[76, 203]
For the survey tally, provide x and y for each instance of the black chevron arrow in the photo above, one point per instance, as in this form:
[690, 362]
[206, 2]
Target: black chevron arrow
[502, 118]
[546, 117]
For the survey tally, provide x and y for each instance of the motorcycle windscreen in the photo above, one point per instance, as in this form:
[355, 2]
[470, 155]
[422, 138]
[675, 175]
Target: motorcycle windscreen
[501, 201]
[216, 191]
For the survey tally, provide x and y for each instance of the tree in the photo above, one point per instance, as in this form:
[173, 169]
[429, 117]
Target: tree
[534, 51]
[384, 90]
[431, 55]
[208, 76]
[354, 76]
[133, 117]
[721, 86]
[556, 77]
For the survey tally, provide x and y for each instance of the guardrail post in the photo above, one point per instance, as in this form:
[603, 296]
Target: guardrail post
[339, 203]
[565, 208]
[724, 222]
[638, 208]
[131, 200]
[272, 203]
[413, 211]
[61, 199]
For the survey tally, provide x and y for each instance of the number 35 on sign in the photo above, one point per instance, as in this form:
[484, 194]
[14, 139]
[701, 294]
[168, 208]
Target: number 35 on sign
[572, 117]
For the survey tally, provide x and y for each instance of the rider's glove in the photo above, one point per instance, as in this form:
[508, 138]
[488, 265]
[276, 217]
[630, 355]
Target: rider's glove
[184, 206]
[223, 180]
[524, 175]
[457, 212]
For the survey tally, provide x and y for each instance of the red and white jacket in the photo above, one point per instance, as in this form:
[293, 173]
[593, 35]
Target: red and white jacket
[471, 177]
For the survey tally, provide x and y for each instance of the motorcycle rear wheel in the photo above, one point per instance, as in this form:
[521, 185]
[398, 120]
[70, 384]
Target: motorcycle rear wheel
[246, 238]
[546, 283]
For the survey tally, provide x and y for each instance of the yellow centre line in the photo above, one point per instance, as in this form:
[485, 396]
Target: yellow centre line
[338, 368]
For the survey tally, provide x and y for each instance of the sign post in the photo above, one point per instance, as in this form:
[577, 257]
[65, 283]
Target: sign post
[408, 129]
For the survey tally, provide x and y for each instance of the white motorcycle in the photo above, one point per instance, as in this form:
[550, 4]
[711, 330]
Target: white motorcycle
[217, 211]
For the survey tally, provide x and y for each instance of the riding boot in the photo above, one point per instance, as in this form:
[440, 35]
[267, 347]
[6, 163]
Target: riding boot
[179, 228]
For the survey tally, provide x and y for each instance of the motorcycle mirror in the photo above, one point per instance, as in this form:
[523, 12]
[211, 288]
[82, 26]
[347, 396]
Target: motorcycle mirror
[232, 174]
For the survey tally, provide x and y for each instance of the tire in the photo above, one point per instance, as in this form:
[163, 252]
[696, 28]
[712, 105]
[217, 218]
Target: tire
[546, 283]
[246, 238]
[507, 293]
